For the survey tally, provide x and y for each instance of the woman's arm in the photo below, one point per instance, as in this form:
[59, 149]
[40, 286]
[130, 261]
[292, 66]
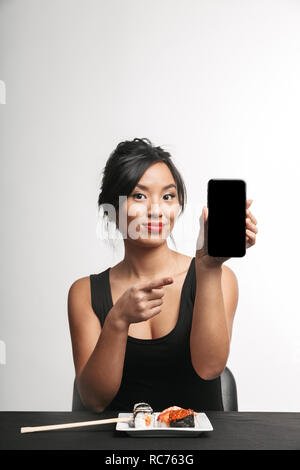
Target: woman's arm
[215, 302]
[214, 308]
[98, 352]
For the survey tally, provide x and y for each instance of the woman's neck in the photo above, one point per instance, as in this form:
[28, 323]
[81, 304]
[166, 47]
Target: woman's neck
[143, 263]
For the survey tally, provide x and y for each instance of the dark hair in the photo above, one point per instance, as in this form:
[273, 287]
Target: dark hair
[126, 165]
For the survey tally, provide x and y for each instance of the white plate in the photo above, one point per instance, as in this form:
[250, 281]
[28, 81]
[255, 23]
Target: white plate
[202, 424]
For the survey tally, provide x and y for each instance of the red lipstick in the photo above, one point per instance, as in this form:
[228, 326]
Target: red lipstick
[154, 227]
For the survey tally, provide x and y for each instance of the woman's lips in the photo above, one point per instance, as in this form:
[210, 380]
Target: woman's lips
[154, 227]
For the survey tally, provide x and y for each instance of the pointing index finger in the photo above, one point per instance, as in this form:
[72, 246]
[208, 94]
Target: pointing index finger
[157, 283]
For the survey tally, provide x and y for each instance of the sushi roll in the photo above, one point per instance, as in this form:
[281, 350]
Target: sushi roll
[142, 407]
[143, 415]
[181, 418]
[163, 417]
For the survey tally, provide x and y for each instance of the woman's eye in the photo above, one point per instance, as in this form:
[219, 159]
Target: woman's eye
[137, 194]
[140, 194]
[172, 196]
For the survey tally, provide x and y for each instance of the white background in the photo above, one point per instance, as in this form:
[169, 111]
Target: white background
[216, 83]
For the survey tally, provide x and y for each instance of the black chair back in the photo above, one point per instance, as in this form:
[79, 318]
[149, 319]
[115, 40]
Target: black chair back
[229, 390]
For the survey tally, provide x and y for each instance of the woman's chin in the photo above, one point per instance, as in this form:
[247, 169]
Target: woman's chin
[150, 239]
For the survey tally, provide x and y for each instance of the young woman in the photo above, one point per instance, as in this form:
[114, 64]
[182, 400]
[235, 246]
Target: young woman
[157, 326]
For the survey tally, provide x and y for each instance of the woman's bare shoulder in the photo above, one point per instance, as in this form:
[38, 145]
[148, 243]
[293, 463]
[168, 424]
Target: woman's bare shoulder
[82, 283]
[80, 304]
[80, 289]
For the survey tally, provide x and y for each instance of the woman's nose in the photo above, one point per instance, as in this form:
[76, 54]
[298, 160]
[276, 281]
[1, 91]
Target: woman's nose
[154, 211]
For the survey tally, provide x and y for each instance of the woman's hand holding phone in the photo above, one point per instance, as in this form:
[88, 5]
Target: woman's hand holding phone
[202, 258]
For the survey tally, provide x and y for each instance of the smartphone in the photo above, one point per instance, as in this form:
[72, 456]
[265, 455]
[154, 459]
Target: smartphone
[226, 223]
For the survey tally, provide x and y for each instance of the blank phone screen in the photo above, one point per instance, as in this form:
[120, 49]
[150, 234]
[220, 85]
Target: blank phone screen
[226, 225]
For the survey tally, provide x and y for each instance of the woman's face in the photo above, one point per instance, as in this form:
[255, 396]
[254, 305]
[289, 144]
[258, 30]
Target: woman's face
[148, 214]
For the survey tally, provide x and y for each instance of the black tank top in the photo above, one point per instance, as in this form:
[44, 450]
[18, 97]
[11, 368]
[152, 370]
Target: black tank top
[159, 371]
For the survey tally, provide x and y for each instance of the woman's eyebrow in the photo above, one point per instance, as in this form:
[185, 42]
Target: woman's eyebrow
[165, 187]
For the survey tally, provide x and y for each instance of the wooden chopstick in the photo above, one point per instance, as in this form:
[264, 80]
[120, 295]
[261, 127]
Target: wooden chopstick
[74, 425]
